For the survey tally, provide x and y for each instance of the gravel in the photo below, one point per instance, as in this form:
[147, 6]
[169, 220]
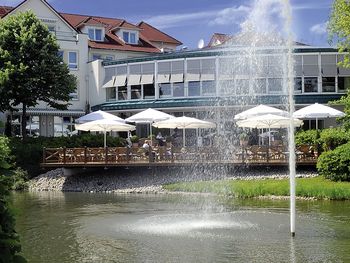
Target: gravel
[145, 180]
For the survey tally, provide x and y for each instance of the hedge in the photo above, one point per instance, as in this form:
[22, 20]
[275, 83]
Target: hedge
[335, 164]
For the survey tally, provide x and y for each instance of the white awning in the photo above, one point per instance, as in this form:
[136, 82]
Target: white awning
[177, 77]
[192, 76]
[147, 79]
[134, 80]
[109, 84]
[207, 76]
[163, 78]
[120, 80]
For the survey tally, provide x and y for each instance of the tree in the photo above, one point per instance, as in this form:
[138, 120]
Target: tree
[31, 69]
[9, 240]
[339, 30]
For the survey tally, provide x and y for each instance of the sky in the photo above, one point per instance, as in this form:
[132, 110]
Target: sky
[192, 20]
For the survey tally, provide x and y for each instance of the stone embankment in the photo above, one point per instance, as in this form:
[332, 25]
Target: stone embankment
[144, 180]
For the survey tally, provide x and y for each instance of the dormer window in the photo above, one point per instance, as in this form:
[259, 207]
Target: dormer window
[129, 37]
[95, 34]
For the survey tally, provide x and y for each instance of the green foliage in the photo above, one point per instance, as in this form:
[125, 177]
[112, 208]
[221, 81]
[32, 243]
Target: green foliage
[9, 240]
[339, 27]
[317, 187]
[134, 139]
[335, 165]
[4, 154]
[28, 153]
[30, 67]
[333, 137]
[20, 180]
[306, 137]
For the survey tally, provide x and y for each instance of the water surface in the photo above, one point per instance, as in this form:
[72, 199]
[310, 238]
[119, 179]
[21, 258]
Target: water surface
[81, 227]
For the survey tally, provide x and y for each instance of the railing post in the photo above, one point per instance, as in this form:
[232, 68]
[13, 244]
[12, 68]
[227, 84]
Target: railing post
[64, 155]
[106, 154]
[44, 154]
[128, 152]
[85, 154]
[150, 154]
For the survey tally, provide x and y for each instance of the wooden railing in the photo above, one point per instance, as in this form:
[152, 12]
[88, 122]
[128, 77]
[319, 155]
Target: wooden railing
[305, 154]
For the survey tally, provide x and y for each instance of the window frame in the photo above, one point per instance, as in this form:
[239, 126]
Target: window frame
[73, 65]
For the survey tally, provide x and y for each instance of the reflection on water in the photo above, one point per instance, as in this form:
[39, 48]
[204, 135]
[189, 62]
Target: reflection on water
[78, 227]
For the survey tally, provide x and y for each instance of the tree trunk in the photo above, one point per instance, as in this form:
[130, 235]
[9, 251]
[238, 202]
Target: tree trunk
[24, 121]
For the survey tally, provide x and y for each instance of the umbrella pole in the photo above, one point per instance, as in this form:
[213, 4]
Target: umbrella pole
[183, 138]
[105, 139]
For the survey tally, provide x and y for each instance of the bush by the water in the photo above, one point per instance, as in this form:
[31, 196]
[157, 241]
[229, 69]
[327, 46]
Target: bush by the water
[333, 137]
[335, 164]
[306, 137]
[28, 153]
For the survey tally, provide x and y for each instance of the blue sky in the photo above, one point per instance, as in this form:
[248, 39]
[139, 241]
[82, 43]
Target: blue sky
[192, 20]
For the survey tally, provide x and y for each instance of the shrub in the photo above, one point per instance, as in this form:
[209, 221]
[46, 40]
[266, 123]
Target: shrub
[306, 137]
[20, 180]
[335, 164]
[333, 137]
[134, 139]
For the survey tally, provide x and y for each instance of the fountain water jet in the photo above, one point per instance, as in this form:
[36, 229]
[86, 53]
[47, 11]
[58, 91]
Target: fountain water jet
[262, 48]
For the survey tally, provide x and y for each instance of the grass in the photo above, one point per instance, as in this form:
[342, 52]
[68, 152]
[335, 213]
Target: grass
[316, 187]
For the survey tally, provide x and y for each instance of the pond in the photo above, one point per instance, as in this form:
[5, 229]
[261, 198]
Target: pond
[82, 227]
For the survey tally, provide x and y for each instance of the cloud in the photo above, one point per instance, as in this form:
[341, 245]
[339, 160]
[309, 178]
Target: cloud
[319, 29]
[224, 16]
[232, 15]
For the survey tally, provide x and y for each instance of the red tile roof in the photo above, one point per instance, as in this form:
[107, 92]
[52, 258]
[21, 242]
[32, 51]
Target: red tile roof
[4, 10]
[147, 33]
[154, 34]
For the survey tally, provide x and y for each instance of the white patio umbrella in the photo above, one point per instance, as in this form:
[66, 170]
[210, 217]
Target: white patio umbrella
[104, 125]
[260, 110]
[184, 123]
[98, 115]
[149, 116]
[268, 121]
[317, 111]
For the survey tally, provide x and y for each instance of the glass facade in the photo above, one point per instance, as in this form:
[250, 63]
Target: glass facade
[227, 76]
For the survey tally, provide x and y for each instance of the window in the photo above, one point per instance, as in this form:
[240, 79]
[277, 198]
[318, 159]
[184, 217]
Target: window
[328, 84]
[122, 93]
[51, 28]
[109, 57]
[310, 66]
[164, 90]
[111, 94]
[96, 57]
[275, 85]
[73, 60]
[298, 85]
[136, 92]
[259, 86]
[343, 84]
[129, 37]
[60, 54]
[178, 89]
[227, 87]
[148, 91]
[310, 84]
[194, 88]
[242, 86]
[95, 34]
[208, 88]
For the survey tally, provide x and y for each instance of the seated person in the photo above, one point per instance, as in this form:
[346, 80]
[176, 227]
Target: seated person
[145, 147]
[160, 139]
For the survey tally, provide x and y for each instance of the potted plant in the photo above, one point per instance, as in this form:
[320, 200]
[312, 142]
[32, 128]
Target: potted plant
[135, 140]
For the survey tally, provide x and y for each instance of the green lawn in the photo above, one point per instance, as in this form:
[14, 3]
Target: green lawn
[316, 187]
